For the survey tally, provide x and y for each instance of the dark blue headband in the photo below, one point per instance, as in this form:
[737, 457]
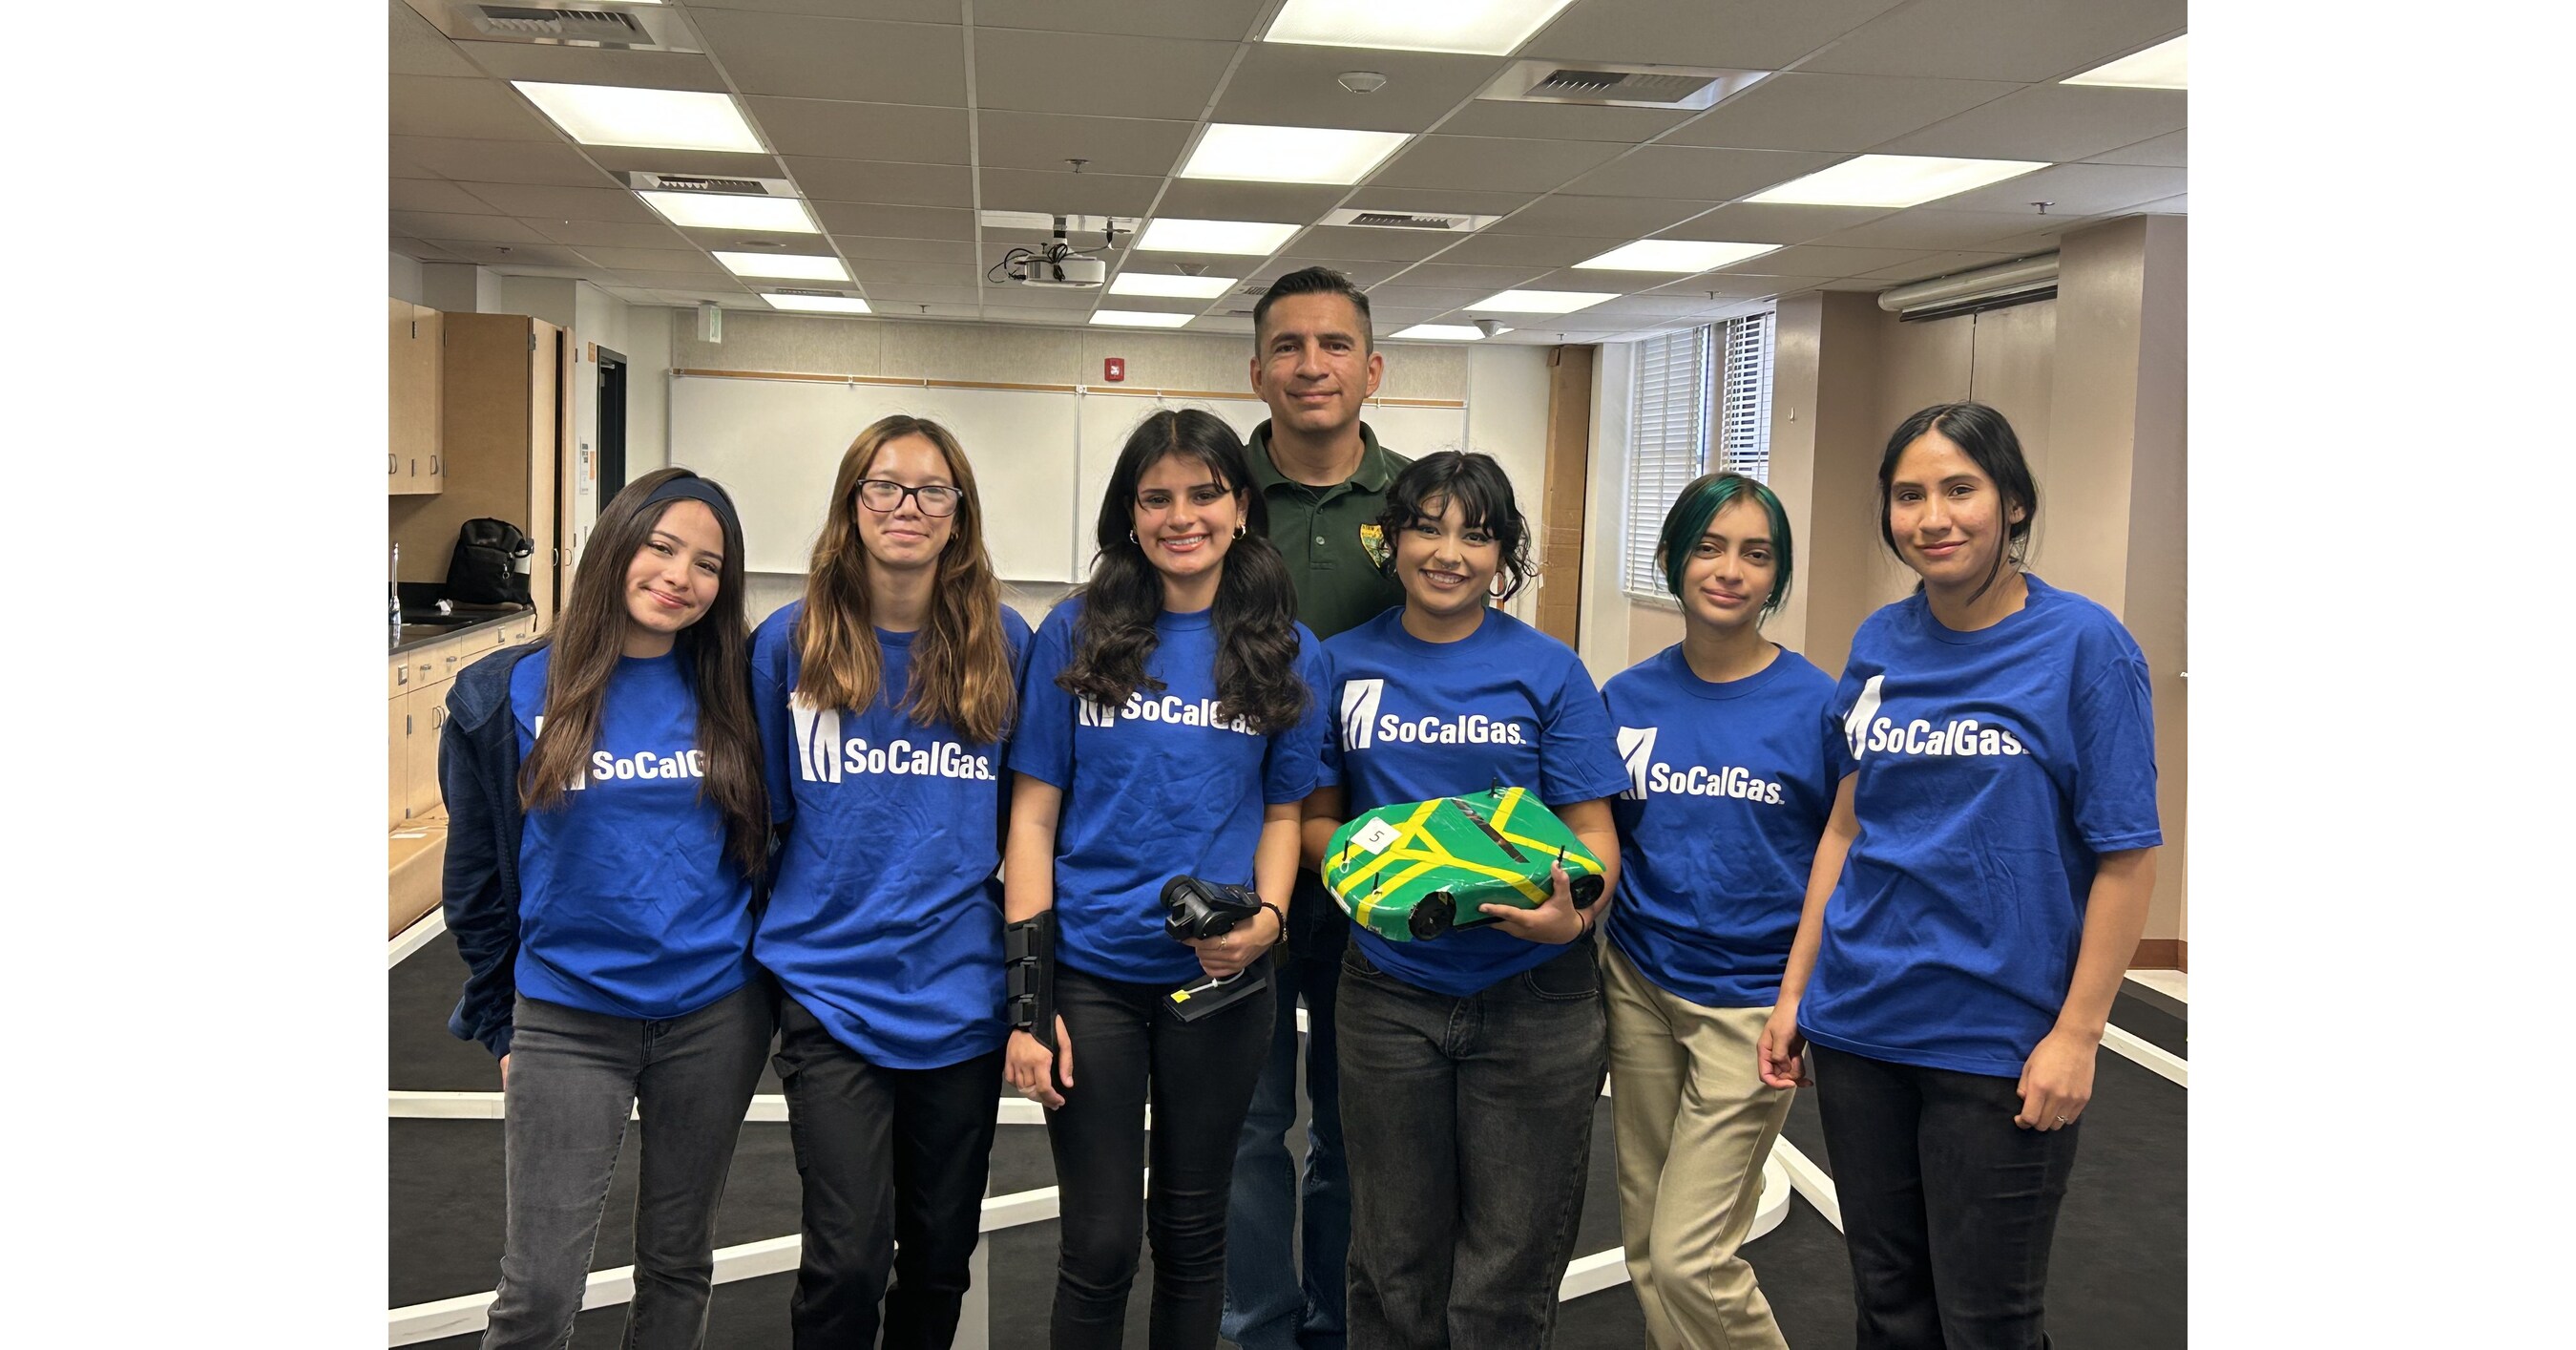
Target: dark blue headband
[700, 490]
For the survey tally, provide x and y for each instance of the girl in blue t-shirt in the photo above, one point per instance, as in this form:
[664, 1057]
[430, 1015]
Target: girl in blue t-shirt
[1730, 773]
[607, 819]
[1976, 896]
[884, 696]
[1169, 727]
[1471, 1062]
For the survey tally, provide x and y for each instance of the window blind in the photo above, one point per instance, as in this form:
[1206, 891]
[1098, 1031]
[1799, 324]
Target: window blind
[1668, 426]
[1744, 398]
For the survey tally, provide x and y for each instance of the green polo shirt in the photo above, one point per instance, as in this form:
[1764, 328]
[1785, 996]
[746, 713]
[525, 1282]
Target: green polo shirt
[1339, 585]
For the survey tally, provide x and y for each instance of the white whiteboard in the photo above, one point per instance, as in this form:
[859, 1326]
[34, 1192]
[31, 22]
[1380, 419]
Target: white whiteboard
[1042, 459]
[774, 445]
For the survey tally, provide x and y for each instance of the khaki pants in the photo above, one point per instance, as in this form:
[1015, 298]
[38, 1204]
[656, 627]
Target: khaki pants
[1695, 1125]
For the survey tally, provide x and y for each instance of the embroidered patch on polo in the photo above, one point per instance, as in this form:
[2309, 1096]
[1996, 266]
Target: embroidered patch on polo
[1373, 543]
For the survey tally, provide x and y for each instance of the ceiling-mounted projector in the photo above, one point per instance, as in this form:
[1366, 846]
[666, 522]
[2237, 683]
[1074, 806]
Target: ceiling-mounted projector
[1056, 263]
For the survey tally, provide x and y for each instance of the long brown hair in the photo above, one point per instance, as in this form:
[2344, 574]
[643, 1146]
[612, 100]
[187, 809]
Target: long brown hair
[716, 652]
[961, 664]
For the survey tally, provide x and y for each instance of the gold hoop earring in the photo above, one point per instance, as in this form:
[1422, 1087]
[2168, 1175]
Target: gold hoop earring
[1131, 538]
[1238, 529]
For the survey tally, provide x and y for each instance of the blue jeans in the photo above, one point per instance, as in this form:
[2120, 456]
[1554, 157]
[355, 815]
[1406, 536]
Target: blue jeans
[574, 1077]
[1470, 1130]
[1268, 1304]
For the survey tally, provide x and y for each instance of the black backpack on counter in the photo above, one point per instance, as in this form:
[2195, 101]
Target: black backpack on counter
[490, 566]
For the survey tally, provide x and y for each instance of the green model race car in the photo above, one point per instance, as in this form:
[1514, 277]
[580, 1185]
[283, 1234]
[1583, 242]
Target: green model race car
[1419, 869]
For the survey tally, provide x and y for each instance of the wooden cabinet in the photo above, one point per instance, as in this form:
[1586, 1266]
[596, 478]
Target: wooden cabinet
[414, 462]
[426, 712]
[504, 446]
[416, 687]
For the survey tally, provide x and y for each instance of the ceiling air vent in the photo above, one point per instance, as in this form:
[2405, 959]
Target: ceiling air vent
[808, 290]
[1608, 85]
[1446, 222]
[645, 181]
[657, 28]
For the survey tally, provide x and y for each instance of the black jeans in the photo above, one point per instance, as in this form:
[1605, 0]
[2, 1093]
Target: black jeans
[1469, 1127]
[893, 1163]
[574, 1078]
[1948, 1207]
[1129, 1047]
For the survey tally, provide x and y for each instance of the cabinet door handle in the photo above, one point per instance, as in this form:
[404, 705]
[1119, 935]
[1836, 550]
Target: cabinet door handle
[433, 466]
[393, 464]
[402, 673]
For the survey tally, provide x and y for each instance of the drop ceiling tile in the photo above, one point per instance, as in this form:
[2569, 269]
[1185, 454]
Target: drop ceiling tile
[1701, 174]
[2074, 189]
[1438, 201]
[1937, 265]
[712, 163]
[895, 222]
[1439, 298]
[598, 65]
[1069, 194]
[1369, 245]
[2176, 205]
[811, 56]
[1040, 297]
[1220, 323]
[2166, 150]
[1103, 76]
[1294, 85]
[607, 233]
[1650, 307]
[1362, 273]
[1821, 260]
[1925, 228]
[1729, 287]
[1485, 163]
[1222, 20]
[421, 249]
[1799, 111]
[855, 247]
[695, 283]
[564, 203]
[851, 180]
[1727, 34]
[1033, 314]
[486, 253]
[1853, 284]
[673, 260]
[885, 131]
[918, 11]
[442, 226]
[498, 161]
[1528, 250]
[898, 294]
[1444, 274]
[476, 109]
[753, 241]
[873, 272]
[1211, 199]
[435, 194]
[1595, 217]
[1020, 140]
[418, 48]
[1562, 121]
[2054, 122]
[1770, 223]
[2025, 40]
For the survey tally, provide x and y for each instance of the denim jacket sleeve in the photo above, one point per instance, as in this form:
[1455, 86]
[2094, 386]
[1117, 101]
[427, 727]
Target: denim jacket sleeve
[479, 891]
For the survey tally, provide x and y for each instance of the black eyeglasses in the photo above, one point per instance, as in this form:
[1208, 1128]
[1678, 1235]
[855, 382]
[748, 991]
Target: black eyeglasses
[877, 494]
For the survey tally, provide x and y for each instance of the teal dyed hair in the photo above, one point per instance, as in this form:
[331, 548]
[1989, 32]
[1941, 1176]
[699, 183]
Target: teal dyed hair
[1699, 504]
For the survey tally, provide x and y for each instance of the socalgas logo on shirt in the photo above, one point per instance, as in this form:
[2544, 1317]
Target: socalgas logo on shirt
[1168, 709]
[1364, 726]
[1867, 731]
[823, 756]
[608, 766]
[1646, 774]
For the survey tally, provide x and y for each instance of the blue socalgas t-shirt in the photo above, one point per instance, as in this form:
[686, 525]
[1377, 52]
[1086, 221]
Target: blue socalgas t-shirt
[1417, 720]
[885, 917]
[628, 906]
[1155, 788]
[1728, 788]
[1993, 766]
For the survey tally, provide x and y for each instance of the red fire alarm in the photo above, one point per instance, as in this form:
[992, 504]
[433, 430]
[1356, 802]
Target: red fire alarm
[1113, 369]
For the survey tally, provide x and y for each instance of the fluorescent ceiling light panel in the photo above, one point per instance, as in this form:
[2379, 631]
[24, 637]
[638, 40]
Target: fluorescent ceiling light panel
[1251, 154]
[819, 304]
[1186, 288]
[1137, 318]
[1250, 237]
[1446, 332]
[1540, 302]
[718, 211]
[1674, 255]
[661, 119]
[802, 266]
[2166, 65]
[1894, 180]
[1477, 27]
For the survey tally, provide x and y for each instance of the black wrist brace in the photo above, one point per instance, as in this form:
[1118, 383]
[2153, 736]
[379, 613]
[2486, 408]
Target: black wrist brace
[1028, 957]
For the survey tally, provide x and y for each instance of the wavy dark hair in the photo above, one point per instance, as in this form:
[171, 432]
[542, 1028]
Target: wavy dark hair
[1256, 602]
[961, 666]
[1484, 496]
[1986, 438]
[715, 651]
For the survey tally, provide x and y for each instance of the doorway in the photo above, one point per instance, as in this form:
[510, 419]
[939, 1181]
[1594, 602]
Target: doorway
[612, 424]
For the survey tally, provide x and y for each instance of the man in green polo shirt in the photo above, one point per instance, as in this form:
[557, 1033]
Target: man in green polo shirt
[1324, 477]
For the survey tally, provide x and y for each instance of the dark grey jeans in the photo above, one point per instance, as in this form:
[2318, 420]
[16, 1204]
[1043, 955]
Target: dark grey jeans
[1468, 1123]
[574, 1078]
